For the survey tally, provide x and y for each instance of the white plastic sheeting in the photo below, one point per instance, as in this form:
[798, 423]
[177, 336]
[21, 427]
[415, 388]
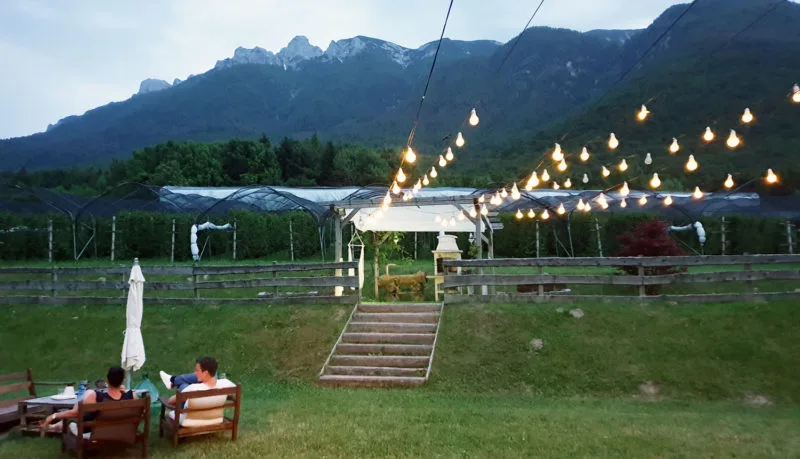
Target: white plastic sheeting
[202, 227]
[410, 219]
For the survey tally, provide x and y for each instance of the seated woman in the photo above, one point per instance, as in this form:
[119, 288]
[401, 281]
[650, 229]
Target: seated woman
[113, 393]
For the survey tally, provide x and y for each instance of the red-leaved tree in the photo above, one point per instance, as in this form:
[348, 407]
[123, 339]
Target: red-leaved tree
[650, 239]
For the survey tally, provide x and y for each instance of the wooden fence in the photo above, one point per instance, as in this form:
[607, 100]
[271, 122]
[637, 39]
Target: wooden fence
[57, 285]
[468, 280]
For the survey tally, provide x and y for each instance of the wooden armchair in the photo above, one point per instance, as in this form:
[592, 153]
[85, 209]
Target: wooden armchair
[115, 427]
[20, 382]
[192, 415]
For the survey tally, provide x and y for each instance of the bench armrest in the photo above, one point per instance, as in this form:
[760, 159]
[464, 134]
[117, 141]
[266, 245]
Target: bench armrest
[164, 399]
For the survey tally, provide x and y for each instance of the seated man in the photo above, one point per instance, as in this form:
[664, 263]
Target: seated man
[203, 378]
[113, 393]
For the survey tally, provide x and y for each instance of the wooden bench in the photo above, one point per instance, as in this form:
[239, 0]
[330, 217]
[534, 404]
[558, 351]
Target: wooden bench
[172, 425]
[19, 382]
[116, 427]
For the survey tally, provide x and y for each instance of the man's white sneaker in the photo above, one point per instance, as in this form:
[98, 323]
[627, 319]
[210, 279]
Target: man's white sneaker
[166, 379]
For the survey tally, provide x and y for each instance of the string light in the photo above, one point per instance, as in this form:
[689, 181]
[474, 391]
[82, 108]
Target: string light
[561, 210]
[796, 94]
[401, 176]
[433, 173]
[623, 165]
[691, 164]
[461, 215]
[473, 118]
[531, 214]
[425, 180]
[556, 186]
[387, 199]
[396, 188]
[613, 142]
[442, 162]
[504, 193]
[602, 202]
[545, 176]
[771, 177]
[585, 178]
[482, 199]
[585, 155]
[557, 155]
[624, 191]
[605, 172]
[519, 214]
[484, 210]
[437, 219]
[449, 154]
[460, 140]
[587, 207]
[655, 182]
[648, 159]
[697, 193]
[642, 115]
[406, 196]
[545, 215]
[729, 182]
[675, 147]
[452, 221]
[747, 116]
[496, 199]
[515, 194]
[562, 166]
[473, 213]
[411, 157]
[708, 136]
[581, 204]
[733, 140]
[533, 182]
[668, 201]
[623, 203]
[568, 183]
[643, 200]
[417, 186]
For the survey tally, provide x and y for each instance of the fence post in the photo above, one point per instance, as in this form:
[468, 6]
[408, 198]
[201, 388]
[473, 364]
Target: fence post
[723, 230]
[194, 283]
[50, 240]
[415, 245]
[537, 238]
[74, 240]
[234, 240]
[789, 238]
[599, 242]
[113, 235]
[291, 240]
[53, 280]
[541, 271]
[275, 276]
[642, 292]
[172, 248]
[123, 285]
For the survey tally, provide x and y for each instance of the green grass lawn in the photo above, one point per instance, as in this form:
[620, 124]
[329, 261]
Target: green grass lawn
[490, 393]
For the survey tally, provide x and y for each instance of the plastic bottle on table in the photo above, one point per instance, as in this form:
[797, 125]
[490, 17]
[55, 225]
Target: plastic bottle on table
[82, 388]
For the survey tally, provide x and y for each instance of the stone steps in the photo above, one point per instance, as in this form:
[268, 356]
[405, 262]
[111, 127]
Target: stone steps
[384, 345]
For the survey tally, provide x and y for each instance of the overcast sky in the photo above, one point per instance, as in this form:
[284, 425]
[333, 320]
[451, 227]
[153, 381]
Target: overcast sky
[62, 58]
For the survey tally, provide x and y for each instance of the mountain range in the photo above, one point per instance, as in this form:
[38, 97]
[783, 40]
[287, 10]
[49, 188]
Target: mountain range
[365, 90]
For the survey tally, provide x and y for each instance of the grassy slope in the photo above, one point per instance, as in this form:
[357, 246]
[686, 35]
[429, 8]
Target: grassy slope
[489, 394]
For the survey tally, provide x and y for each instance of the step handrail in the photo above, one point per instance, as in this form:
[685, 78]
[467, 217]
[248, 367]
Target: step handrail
[338, 341]
[435, 338]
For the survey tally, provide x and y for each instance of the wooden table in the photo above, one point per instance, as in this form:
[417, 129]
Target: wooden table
[34, 410]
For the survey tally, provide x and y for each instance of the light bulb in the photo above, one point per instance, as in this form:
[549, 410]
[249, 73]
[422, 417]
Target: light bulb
[401, 176]
[674, 147]
[648, 159]
[613, 142]
[729, 182]
[623, 203]
[668, 201]
[519, 214]
[585, 178]
[643, 200]
[733, 140]
[482, 199]
[643, 112]
[562, 166]
[708, 136]
[655, 182]
[531, 214]
[533, 182]
[449, 154]
[437, 219]
[461, 215]
[406, 196]
[796, 94]
[396, 188]
[561, 210]
[433, 172]
[603, 202]
[425, 180]
[484, 210]
[504, 193]
[585, 155]
[623, 166]
[460, 140]
[444, 223]
[545, 215]
[605, 172]
[442, 161]
[473, 118]
[387, 199]
[473, 213]
[568, 183]
[452, 221]
[587, 207]
[581, 204]
[515, 194]
[747, 116]
[411, 157]
[545, 176]
[418, 185]
[691, 164]
[557, 155]
[497, 198]
[556, 186]
[771, 177]
[697, 193]
[624, 191]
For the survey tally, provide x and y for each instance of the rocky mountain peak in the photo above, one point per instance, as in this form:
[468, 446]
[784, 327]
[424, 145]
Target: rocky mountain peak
[299, 49]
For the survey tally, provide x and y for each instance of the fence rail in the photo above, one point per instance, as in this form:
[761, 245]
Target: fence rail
[198, 278]
[458, 275]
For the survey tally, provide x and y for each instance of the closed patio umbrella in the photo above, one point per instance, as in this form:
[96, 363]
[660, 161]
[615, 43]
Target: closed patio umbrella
[133, 347]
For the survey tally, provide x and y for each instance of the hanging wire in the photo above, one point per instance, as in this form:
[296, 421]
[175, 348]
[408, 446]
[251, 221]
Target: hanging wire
[516, 40]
